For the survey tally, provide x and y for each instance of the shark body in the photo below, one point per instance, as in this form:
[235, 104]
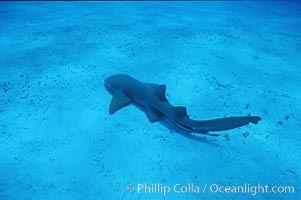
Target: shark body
[126, 90]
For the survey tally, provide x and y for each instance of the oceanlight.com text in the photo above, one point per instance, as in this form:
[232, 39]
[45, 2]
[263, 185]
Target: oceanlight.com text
[251, 189]
[165, 189]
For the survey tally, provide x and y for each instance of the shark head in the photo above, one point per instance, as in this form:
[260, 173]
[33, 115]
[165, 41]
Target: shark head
[115, 82]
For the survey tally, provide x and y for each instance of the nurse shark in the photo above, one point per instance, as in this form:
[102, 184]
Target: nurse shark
[151, 97]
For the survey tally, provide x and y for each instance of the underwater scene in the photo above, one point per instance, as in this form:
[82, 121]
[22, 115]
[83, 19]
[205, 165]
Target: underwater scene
[150, 100]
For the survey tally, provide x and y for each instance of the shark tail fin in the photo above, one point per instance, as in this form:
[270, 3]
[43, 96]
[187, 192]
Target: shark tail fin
[255, 119]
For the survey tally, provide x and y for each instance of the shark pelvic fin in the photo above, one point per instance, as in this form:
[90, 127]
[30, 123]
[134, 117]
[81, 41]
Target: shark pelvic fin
[118, 101]
[152, 114]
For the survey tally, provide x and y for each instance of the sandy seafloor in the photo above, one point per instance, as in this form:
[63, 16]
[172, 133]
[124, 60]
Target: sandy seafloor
[58, 141]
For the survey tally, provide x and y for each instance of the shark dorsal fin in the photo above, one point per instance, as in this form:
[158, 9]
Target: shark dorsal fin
[152, 114]
[118, 101]
[160, 92]
[181, 111]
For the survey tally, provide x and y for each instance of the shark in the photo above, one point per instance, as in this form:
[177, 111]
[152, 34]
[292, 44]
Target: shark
[152, 99]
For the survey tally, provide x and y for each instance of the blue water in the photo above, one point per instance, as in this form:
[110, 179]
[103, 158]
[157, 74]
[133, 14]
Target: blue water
[58, 141]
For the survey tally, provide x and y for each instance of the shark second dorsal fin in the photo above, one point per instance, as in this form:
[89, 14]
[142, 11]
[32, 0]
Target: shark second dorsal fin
[152, 114]
[181, 111]
[118, 101]
[160, 92]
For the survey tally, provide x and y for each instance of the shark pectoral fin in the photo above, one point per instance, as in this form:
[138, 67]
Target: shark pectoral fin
[118, 101]
[152, 114]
